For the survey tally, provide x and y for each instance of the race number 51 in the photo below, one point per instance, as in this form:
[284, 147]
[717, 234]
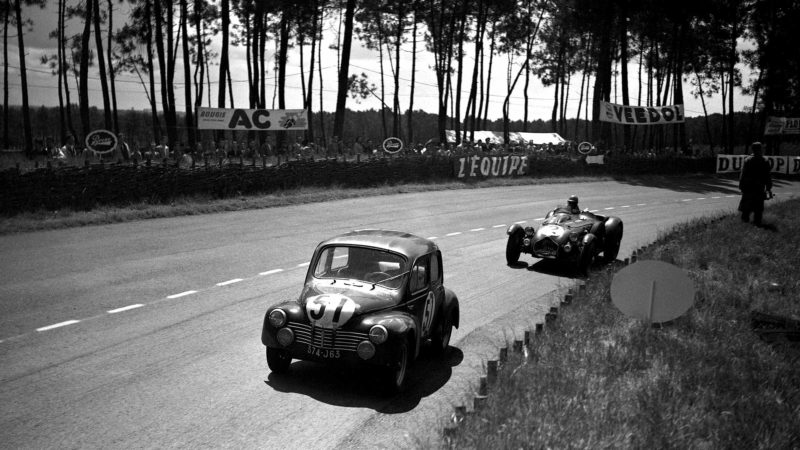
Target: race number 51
[330, 310]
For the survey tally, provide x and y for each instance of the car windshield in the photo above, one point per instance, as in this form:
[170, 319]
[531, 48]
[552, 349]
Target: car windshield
[365, 264]
[555, 218]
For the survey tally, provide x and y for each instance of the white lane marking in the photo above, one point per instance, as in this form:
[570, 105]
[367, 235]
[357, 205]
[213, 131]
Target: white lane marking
[521, 222]
[539, 218]
[477, 229]
[182, 294]
[700, 198]
[607, 209]
[502, 225]
[641, 204]
[125, 308]
[594, 210]
[431, 238]
[453, 234]
[58, 325]
[305, 264]
[626, 206]
[686, 200]
[225, 283]
[270, 272]
[716, 197]
[730, 196]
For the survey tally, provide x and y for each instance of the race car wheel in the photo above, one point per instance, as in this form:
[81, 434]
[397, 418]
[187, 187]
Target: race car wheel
[514, 247]
[278, 360]
[612, 249]
[585, 258]
[441, 336]
[397, 373]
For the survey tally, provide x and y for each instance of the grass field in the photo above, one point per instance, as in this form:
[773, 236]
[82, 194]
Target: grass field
[597, 379]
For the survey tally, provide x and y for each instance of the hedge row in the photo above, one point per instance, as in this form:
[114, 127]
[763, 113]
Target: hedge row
[117, 184]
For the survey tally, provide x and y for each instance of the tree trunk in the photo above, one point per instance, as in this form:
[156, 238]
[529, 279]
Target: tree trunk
[282, 56]
[83, 89]
[26, 117]
[344, 65]
[223, 59]
[111, 72]
[485, 103]
[200, 54]
[101, 64]
[148, 13]
[308, 100]
[623, 58]
[187, 73]
[460, 76]
[410, 113]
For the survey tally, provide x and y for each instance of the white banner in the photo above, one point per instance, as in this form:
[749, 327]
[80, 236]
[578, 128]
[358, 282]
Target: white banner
[640, 115]
[782, 125]
[251, 119]
[491, 166]
[787, 165]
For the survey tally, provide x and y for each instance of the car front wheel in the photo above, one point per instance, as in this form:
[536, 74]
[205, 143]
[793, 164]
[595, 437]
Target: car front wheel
[278, 360]
[441, 336]
[398, 373]
[514, 247]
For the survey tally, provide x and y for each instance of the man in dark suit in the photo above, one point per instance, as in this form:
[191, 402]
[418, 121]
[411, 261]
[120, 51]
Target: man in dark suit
[755, 182]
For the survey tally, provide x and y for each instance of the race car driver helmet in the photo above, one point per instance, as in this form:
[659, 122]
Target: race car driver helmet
[573, 200]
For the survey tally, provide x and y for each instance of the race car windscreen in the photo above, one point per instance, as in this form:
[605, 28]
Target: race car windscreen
[361, 263]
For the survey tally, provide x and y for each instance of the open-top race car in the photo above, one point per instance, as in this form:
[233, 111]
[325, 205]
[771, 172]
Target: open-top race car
[576, 237]
[370, 297]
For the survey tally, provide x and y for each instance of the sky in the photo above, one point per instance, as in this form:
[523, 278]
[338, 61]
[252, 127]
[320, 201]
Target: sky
[43, 86]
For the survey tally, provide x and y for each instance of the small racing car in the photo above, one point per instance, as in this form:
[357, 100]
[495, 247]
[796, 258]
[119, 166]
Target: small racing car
[567, 237]
[371, 297]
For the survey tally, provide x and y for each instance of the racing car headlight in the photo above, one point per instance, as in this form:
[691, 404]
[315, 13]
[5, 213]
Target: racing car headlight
[285, 336]
[378, 334]
[277, 318]
[365, 350]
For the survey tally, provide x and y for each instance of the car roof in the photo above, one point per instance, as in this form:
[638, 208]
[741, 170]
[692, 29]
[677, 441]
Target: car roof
[407, 244]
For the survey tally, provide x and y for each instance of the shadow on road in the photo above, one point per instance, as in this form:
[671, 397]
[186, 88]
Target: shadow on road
[362, 386]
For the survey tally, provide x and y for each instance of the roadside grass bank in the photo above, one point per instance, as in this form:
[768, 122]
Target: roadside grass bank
[596, 379]
[67, 218]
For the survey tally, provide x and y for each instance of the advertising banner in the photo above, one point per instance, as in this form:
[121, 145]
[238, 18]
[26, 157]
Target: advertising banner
[782, 125]
[640, 115]
[101, 141]
[787, 165]
[251, 119]
[491, 166]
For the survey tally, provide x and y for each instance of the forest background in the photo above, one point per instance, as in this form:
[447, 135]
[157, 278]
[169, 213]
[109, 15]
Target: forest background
[582, 51]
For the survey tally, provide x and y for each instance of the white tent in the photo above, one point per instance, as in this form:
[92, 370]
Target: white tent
[514, 136]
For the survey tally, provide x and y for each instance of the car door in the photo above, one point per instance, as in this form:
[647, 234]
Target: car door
[423, 300]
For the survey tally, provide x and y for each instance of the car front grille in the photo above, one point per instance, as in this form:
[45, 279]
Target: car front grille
[327, 338]
[545, 248]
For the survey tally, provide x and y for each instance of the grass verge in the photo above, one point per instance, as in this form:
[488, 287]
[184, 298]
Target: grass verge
[597, 379]
[67, 218]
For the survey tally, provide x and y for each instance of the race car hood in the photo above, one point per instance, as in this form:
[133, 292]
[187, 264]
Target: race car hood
[560, 232]
[331, 303]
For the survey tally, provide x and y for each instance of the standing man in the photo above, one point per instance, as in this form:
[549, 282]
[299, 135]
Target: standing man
[755, 182]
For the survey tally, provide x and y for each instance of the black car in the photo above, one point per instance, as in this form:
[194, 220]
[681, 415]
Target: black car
[371, 297]
[575, 238]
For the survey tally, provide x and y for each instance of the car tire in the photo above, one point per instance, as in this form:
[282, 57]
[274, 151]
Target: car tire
[585, 258]
[440, 340]
[613, 242]
[278, 360]
[397, 375]
[514, 247]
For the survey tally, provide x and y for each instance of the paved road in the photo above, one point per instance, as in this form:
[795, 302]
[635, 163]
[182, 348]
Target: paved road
[146, 334]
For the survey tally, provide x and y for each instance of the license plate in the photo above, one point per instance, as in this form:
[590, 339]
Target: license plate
[322, 352]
